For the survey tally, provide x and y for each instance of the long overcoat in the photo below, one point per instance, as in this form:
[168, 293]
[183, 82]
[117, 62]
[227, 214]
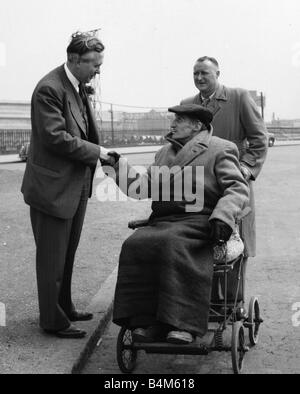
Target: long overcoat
[165, 269]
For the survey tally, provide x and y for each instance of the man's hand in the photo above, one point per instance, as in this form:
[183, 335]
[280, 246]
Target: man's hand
[220, 231]
[103, 153]
[246, 172]
[111, 159]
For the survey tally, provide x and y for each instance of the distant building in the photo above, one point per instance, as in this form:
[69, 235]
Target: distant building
[154, 122]
[119, 126]
[291, 123]
[127, 124]
[15, 115]
[15, 125]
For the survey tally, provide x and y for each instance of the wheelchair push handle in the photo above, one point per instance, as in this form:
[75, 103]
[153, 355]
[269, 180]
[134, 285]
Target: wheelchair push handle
[245, 212]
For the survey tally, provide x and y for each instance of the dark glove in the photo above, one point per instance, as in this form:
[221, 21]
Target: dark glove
[220, 231]
[113, 159]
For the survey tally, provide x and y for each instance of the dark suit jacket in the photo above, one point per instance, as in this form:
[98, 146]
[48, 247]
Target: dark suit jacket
[237, 119]
[60, 150]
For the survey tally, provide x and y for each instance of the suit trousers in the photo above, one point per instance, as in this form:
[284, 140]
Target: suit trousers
[56, 244]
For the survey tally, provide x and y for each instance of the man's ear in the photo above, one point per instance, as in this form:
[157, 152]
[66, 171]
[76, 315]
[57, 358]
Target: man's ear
[78, 59]
[218, 73]
[73, 58]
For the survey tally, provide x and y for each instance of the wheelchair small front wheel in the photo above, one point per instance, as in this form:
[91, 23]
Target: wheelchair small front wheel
[126, 355]
[238, 348]
[254, 320]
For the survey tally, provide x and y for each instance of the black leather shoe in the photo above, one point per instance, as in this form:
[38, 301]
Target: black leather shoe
[71, 333]
[80, 316]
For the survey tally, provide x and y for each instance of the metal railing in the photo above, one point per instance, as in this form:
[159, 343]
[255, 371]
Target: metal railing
[12, 140]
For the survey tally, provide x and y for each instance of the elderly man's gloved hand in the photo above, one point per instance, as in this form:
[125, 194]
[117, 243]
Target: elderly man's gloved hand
[112, 160]
[220, 231]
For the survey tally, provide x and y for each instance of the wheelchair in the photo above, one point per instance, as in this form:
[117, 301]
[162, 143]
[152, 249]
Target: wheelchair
[227, 309]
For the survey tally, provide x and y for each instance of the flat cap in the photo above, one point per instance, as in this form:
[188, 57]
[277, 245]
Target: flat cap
[194, 111]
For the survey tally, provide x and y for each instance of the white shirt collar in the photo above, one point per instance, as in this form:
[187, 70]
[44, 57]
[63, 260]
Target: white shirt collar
[74, 81]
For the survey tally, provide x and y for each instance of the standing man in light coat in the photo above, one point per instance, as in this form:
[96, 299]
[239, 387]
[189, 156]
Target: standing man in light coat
[237, 119]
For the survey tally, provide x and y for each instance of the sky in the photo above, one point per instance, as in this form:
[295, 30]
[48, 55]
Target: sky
[152, 45]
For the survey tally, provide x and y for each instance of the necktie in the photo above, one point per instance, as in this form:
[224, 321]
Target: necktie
[82, 93]
[83, 97]
[205, 102]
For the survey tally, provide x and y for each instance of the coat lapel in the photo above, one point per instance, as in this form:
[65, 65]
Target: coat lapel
[93, 127]
[219, 99]
[73, 100]
[214, 106]
[75, 110]
[193, 149]
[215, 103]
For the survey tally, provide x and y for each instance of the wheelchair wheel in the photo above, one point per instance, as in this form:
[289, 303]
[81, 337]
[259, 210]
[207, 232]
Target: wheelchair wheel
[238, 348]
[126, 356]
[254, 319]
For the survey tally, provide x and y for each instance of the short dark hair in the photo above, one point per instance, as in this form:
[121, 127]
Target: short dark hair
[82, 43]
[211, 59]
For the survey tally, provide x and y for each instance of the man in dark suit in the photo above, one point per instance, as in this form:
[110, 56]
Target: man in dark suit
[64, 151]
[237, 119]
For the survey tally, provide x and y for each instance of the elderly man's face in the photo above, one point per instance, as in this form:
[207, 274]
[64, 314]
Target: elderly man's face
[184, 127]
[88, 66]
[206, 76]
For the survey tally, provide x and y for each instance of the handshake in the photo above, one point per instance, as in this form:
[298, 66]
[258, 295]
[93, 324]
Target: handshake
[108, 158]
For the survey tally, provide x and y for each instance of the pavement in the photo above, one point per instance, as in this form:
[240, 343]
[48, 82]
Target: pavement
[56, 356]
[101, 307]
[48, 354]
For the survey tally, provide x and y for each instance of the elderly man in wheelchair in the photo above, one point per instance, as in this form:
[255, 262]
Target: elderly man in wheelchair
[166, 267]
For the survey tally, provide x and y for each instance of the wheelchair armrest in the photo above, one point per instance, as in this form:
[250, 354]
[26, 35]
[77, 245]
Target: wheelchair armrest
[221, 268]
[138, 223]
